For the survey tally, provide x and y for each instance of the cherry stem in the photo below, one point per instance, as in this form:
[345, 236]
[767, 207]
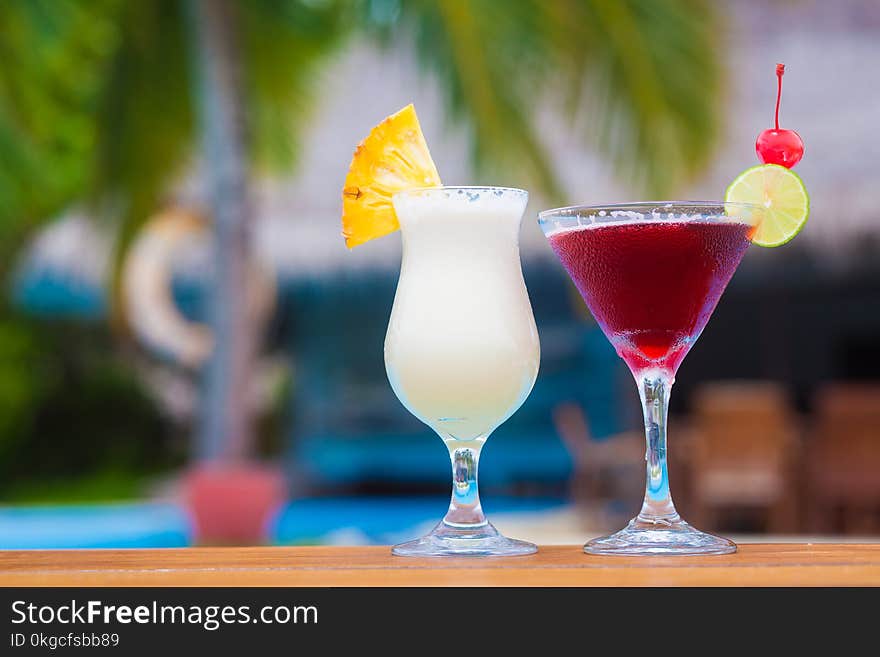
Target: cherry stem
[780, 71]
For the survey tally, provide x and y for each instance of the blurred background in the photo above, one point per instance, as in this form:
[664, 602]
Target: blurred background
[189, 354]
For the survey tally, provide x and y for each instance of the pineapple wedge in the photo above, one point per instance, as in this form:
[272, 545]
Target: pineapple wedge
[394, 157]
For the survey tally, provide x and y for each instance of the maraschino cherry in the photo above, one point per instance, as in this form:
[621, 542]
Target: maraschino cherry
[775, 146]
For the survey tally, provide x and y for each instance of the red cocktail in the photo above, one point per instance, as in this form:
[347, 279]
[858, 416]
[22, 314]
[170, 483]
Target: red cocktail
[652, 274]
[652, 285]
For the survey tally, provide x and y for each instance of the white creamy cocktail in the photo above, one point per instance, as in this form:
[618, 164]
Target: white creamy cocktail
[462, 349]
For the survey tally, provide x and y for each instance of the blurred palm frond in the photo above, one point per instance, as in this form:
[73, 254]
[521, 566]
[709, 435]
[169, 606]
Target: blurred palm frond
[144, 116]
[96, 96]
[52, 52]
[638, 80]
[284, 44]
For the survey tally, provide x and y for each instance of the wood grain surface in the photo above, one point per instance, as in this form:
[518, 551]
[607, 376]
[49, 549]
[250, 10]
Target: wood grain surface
[753, 565]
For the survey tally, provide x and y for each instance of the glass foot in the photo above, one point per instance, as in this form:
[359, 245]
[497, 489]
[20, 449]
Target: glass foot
[644, 537]
[450, 541]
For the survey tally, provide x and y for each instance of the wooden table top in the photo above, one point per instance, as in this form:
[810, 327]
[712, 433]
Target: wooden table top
[753, 565]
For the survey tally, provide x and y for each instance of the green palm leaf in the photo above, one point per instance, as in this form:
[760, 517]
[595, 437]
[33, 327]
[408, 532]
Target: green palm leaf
[639, 79]
[284, 45]
[144, 115]
[51, 53]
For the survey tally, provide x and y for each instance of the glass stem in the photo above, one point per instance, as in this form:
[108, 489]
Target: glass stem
[465, 510]
[654, 390]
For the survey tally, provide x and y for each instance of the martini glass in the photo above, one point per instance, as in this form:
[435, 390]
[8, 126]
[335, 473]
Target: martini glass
[651, 274]
[462, 348]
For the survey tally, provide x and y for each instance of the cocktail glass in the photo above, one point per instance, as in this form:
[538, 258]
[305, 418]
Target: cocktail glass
[462, 349]
[651, 274]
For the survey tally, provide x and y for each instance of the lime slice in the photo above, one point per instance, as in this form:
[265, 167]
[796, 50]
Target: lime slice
[781, 193]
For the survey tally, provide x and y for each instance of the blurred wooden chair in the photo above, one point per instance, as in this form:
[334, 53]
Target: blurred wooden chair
[608, 478]
[843, 459]
[744, 442]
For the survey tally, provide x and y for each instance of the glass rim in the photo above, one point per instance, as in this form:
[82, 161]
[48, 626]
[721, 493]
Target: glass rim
[464, 188]
[579, 210]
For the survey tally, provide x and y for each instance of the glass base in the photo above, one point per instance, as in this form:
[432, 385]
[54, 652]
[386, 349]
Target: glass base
[644, 537]
[449, 541]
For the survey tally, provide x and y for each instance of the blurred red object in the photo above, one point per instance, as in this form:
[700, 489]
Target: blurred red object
[232, 503]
